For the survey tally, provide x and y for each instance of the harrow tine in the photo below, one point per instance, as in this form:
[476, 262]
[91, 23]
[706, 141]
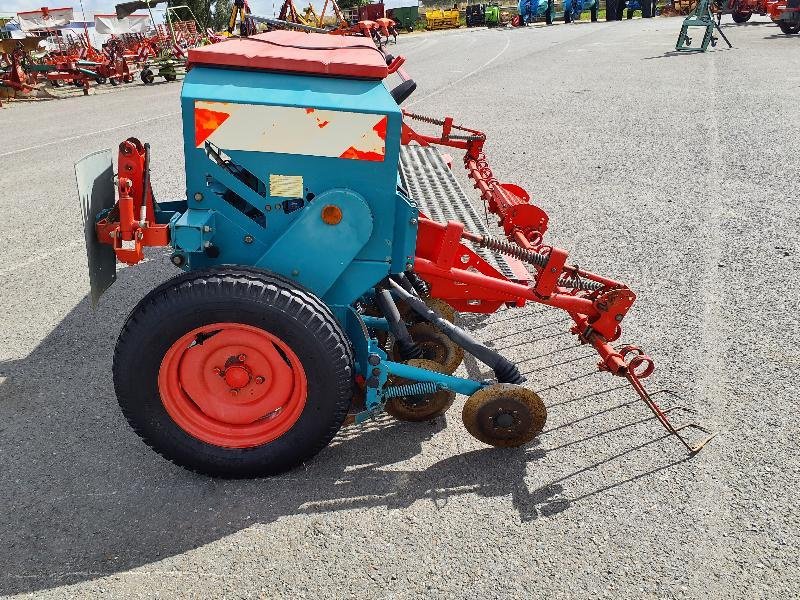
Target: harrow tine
[661, 415]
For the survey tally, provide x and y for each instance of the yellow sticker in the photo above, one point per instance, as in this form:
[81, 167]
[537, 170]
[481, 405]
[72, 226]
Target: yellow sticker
[286, 186]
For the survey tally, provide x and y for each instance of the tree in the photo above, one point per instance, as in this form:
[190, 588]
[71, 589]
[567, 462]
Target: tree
[348, 4]
[208, 13]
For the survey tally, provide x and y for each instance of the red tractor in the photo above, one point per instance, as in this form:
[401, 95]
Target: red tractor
[742, 10]
[786, 15]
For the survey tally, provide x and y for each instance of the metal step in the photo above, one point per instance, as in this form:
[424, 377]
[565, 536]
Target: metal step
[431, 184]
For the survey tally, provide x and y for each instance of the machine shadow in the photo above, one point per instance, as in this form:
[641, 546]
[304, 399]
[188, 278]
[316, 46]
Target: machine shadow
[84, 498]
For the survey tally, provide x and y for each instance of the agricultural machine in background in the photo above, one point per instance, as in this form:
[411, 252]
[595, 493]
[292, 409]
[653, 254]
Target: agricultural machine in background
[482, 14]
[164, 53]
[534, 10]
[701, 17]
[326, 245]
[442, 19]
[786, 15]
[405, 17]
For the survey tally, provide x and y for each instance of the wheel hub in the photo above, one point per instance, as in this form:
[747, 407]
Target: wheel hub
[232, 385]
[503, 420]
[237, 376]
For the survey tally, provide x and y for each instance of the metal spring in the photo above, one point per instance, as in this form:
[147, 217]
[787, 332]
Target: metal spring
[578, 283]
[424, 119]
[420, 285]
[512, 249]
[422, 388]
[468, 138]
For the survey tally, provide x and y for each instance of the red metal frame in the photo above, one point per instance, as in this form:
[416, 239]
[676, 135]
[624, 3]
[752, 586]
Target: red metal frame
[597, 305]
[133, 219]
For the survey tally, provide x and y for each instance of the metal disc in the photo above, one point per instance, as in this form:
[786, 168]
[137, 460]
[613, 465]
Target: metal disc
[504, 415]
[436, 346]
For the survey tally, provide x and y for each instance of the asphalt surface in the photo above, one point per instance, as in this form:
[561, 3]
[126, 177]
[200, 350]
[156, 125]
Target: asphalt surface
[677, 174]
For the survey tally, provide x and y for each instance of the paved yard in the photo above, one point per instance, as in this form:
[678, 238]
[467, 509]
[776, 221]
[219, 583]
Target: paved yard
[677, 174]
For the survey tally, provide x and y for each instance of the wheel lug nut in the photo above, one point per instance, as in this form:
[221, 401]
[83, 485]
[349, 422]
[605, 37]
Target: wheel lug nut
[234, 392]
[242, 357]
[259, 380]
[218, 371]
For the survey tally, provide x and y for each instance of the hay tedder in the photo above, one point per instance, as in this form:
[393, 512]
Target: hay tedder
[326, 246]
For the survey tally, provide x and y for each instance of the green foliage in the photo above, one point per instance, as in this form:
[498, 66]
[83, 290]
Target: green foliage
[348, 4]
[221, 14]
[208, 13]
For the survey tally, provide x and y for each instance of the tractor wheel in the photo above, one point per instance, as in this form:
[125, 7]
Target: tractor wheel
[567, 17]
[629, 14]
[147, 76]
[741, 17]
[100, 80]
[170, 77]
[593, 13]
[420, 408]
[233, 372]
[127, 78]
[788, 28]
[504, 415]
[57, 83]
[113, 81]
[77, 83]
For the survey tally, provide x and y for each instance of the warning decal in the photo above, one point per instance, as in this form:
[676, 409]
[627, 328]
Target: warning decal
[291, 130]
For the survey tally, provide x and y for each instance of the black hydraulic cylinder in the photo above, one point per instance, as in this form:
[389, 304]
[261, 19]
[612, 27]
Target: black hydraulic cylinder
[504, 369]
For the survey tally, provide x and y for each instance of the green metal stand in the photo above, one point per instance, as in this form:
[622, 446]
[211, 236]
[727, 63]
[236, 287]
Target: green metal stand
[700, 17]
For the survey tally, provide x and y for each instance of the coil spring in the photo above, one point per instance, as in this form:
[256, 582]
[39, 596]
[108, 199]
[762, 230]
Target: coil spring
[420, 285]
[422, 388]
[468, 138]
[580, 284]
[424, 119]
[534, 258]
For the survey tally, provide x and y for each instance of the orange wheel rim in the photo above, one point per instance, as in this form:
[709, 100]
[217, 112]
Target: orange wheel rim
[232, 385]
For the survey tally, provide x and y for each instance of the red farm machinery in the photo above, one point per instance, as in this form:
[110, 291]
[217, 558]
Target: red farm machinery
[327, 248]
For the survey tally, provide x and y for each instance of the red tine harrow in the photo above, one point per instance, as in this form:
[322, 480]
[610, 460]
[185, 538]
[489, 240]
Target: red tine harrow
[596, 305]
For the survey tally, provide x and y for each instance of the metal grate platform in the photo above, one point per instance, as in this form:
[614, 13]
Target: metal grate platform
[431, 184]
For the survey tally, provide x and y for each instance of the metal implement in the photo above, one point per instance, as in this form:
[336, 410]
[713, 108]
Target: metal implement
[326, 245]
[700, 17]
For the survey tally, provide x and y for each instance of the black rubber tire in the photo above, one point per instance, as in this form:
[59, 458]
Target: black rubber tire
[741, 17]
[113, 81]
[147, 76]
[567, 17]
[170, 77]
[628, 14]
[100, 80]
[593, 13]
[789, 29]
[251, 297]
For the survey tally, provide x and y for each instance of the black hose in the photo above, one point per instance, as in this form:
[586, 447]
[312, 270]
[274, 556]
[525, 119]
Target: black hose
[408, 349]
[504, 369]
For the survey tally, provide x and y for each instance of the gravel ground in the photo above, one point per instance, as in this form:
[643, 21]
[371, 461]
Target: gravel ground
[676, 174]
